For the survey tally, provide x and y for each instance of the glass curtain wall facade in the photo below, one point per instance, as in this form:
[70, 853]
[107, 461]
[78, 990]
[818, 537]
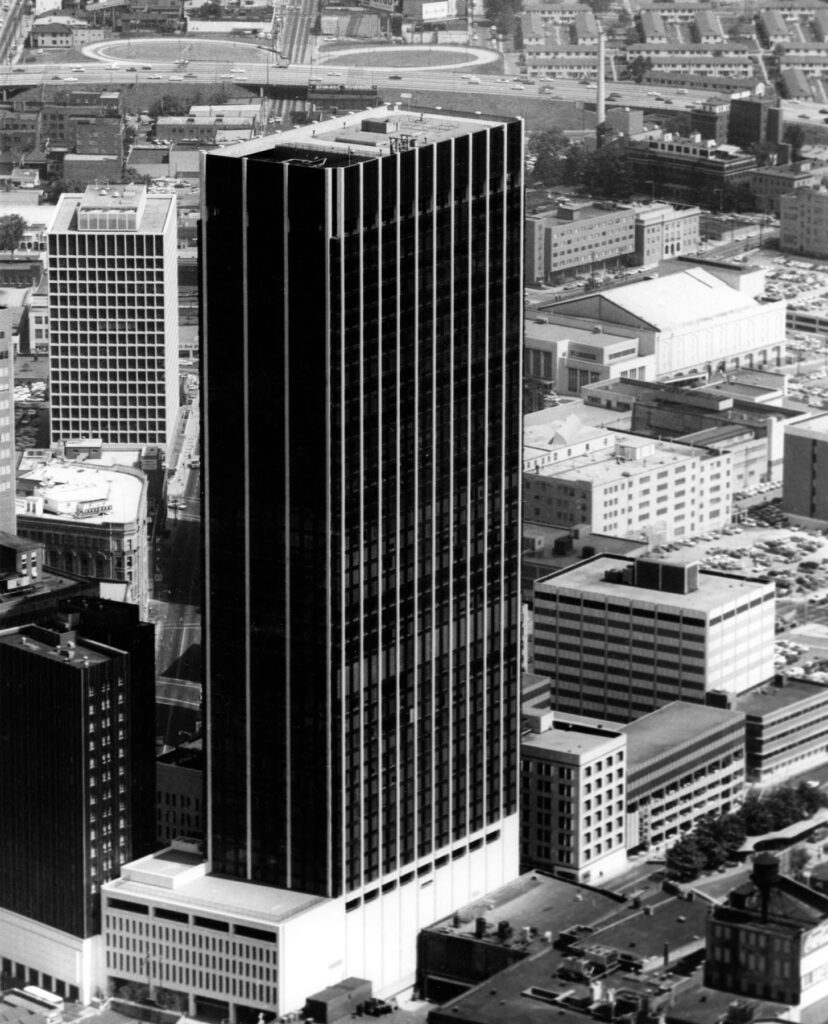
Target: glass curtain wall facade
[362, 430]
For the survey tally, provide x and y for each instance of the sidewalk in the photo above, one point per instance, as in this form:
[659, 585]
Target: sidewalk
[185, 448]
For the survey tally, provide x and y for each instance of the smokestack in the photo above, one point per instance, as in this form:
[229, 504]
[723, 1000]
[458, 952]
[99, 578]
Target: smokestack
[600, 106]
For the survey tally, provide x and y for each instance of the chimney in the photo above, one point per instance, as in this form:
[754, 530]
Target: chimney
[600, 106]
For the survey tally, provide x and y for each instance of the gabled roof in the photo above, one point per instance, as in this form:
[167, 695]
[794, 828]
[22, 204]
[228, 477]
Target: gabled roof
[663, 304]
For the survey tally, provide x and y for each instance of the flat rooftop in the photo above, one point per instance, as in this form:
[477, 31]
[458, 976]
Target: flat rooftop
[26, 639]
[714, 436]
[669, 728]
[736, 389]
[571, 739]
[583, 211]
[207, 120]
[156, 209]
[571, 415]
[769, 699]
[816, 427]
[12, 540]
[547, 904]
[587, 579]
[508, 997]
[367, 135]
[36, 216]
[178, 878]
[696, 1004]
[677, 922]
[554, 332]
[56, 481]
[603, 466]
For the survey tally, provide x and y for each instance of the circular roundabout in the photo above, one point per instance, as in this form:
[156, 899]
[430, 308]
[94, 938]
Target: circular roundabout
[168, 51]
[213, 51]
[408, 58]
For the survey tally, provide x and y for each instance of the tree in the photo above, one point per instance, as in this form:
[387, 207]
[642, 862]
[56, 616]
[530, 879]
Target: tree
[756, 816]
[53, 190]
[638, 68]
[209, 12]
[502, 13]
[607, 173]
[575, 165]
[684, 859]
[12, 229]
[170, 106]
[718, 836]
[132, 177]
[549, 148]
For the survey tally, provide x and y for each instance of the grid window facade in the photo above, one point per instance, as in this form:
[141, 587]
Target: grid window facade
[113, 331]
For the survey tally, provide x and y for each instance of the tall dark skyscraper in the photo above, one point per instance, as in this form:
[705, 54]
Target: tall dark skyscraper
[362, 304]
[77, 753]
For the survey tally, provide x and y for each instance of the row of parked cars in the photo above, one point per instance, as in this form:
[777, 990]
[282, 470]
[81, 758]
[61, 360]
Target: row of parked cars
[751, 492]
[767, 514]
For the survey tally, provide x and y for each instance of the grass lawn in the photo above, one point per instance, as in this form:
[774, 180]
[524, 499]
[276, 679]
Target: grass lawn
[186, 47]
[401, 57]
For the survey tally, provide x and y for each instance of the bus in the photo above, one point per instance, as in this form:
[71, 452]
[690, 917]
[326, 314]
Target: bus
[45, 1007]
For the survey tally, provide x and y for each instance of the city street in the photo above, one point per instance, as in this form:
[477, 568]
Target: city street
[176, 604]
[307, 61]
[176, 612]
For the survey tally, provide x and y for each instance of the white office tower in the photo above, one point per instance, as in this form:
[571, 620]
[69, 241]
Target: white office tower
[113, 316]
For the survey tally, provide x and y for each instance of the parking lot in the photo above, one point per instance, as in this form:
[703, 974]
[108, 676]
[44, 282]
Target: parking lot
[796, 561]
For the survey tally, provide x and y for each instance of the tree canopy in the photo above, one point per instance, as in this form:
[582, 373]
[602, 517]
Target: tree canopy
[53, 190]
[170, 106]
[557, 161]
[685, 859]
[715, 838]
[549, 149]
[638, 68]
[503, 14]
[12, 229]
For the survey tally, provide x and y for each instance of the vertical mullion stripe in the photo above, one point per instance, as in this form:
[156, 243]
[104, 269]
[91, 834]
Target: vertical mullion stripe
[346, 668]
[484, 774]
[248, 767]
[505, 468]
[286, 538]
[402, 724]
[363, 575]
[436, 510]
[380, 837]
[472, 441]
[207, 630]
[329, 483]
[518, 465]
